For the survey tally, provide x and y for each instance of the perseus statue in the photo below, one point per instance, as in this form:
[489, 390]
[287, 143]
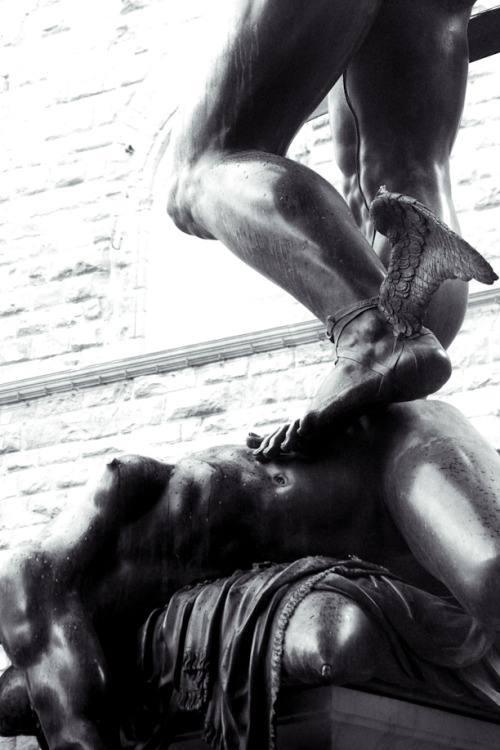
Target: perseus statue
[362, 472]
[397, 70]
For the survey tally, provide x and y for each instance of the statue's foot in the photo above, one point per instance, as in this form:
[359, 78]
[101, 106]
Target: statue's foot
[373, 367]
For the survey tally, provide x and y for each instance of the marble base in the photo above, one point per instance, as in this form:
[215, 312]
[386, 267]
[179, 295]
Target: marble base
[339, 718]
[364, 721]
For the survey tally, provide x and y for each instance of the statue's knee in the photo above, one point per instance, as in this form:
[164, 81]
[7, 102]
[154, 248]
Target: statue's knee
[348, 646]
[185, 191]
[479, 593]
[180, 195]
[329, 640]
[175, 199]
[22, 577]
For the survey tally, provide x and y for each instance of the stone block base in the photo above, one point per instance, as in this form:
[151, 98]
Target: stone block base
[345, 719]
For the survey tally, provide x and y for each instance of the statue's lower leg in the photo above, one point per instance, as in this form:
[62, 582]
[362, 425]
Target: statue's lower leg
[292, 226]
[373, 367]
[384, 355]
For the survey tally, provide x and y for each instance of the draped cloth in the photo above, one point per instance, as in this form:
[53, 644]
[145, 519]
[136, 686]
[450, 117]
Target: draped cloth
[216, 647]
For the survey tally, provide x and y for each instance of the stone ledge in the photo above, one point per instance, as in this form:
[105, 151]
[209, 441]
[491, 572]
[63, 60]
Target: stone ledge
[339, 718]
[170, 360]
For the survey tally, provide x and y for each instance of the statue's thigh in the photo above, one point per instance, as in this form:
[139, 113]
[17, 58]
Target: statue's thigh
[265, 67]
[407, 83]
[330, 639]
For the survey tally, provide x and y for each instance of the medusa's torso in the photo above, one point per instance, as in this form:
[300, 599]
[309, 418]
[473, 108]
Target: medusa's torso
[222, 510]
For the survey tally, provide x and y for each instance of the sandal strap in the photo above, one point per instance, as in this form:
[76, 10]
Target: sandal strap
[345, 315]
[366, 362]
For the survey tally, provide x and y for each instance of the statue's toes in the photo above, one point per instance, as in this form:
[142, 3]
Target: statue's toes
[253, 440]
[16, 714]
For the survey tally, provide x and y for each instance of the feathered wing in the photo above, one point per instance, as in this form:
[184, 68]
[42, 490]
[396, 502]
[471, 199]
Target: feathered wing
[425, 252]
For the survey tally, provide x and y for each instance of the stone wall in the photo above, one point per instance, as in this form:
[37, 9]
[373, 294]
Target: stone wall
[78, 123]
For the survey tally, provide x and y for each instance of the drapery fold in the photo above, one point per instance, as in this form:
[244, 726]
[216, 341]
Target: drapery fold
[216, 647]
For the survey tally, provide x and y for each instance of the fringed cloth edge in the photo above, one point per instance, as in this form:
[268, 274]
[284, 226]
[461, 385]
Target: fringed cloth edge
[217, 646]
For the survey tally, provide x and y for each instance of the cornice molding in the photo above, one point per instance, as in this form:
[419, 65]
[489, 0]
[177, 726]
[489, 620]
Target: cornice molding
[170, 360]
[194, 355]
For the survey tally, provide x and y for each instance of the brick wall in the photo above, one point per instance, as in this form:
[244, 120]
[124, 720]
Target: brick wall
[72, 106]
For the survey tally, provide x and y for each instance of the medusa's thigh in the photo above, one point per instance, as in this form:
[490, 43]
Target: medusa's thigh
[330, 639]
[442, 489]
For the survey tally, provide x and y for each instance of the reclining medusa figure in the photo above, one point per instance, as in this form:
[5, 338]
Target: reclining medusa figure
[360, 541]
[99, 662]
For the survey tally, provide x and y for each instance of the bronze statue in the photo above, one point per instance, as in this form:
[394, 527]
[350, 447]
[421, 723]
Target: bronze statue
[410, 486]
[395, 114]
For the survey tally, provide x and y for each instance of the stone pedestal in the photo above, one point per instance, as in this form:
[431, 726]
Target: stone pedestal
[345, 719]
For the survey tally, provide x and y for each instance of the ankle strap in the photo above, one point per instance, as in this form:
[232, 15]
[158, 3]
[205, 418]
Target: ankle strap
[346, 314]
